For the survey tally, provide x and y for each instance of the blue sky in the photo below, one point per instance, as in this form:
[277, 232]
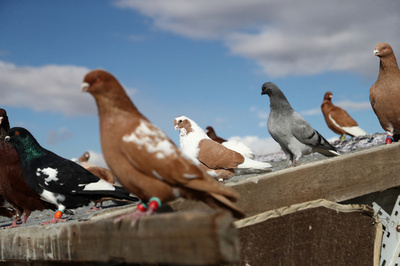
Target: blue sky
[203, 59]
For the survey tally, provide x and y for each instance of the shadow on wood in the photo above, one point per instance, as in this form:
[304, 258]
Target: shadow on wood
[312, 233]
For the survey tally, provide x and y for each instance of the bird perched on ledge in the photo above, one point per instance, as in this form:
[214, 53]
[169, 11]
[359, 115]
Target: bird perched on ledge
[13, 187]
[142, 157]
[59, 181]
[218, 160]
[233, 144]
[338, 120]
[293, 133]
[384, 94]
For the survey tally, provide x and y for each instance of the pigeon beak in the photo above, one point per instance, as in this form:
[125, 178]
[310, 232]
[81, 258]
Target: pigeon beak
[1, 120]
[7, 139]
[176, 127]
[85, 86]
[376, 52]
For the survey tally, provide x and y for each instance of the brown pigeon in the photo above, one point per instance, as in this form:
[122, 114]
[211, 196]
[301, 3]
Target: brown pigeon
[216, 157]
[142, 157]
[338, 120]
[384, 94]
[13, 186]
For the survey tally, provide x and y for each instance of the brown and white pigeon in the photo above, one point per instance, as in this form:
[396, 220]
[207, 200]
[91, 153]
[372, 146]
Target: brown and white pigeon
[293, 133]
[143, 158]
[384, 94]
[199, 147]
[233, 143]
[13, 187]
[338, 120]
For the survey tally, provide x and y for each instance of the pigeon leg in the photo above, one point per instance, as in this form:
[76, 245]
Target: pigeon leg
[95, 208]
[13, 224]
[56, 218]
[142, 210]
[27, 214]
[389, 139]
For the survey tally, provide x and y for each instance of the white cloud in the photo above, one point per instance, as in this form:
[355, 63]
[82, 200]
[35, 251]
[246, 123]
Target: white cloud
[284, 37]
[52, 88]
[260, 146]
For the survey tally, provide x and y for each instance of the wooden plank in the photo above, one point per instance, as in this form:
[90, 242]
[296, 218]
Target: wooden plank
[312, 233]
[336, 179]
[178, 238]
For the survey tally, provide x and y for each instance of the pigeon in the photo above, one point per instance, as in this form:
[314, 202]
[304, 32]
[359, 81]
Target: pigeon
[338, 120]
[384, 94]
[58, 180]
[144, 159]
[13, 187]
[233, 144]
[212, 135]
[293, 133]
[99, 171]
[199, 147]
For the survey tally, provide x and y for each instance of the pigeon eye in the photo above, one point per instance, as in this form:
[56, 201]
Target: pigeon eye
[16, 133]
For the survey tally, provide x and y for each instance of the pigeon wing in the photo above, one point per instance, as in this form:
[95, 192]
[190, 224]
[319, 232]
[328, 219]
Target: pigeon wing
[217, 156]
[63, 176]
[150, 151]
[307, 135]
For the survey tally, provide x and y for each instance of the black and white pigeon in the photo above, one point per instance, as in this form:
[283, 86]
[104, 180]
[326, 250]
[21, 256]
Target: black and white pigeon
[58, 180]
[293, 133]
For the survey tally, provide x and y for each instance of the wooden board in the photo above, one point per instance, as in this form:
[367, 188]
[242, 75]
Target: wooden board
[311, 233]
[336, 179]
[177, 238]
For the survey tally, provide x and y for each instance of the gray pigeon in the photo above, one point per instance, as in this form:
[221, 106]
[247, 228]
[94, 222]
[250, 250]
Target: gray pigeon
[293, 133]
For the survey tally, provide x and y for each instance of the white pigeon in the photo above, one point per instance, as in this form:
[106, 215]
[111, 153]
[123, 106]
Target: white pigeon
[293, 133]
[196, 145]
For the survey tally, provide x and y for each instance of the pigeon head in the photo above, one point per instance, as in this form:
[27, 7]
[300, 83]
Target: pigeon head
[85, 157]
[382, 49]
[269, 88]
[107, 91]
[210, 131]
[183, 124]
[328, 96]
[24, 143]
[96, 81]
[4, 123]
[277, 98]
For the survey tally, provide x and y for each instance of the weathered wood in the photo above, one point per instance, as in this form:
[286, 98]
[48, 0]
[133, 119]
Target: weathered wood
[335, 179]
[177, 238]
[312, 233]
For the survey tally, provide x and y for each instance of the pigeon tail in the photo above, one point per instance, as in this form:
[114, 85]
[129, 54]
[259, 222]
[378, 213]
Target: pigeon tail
[239, 147]
[253, 164]
[354, 131]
